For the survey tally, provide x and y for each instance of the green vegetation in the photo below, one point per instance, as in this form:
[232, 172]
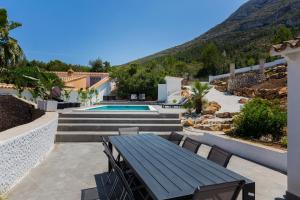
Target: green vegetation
[283, 34]
[10, 51]
[135, 79]
[284, 141]
[99, 66]
[66, 94]
[53, 65]
[39, 81]
[198, 91]
[261, 118]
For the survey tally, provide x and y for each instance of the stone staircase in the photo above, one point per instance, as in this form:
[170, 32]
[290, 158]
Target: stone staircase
[88, 126]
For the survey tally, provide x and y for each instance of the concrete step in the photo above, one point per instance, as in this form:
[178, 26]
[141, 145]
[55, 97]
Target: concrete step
[120, 120]
[92, 136]
[119, 115]
[115, 127]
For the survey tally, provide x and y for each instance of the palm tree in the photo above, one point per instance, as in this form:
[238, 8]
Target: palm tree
[197, 96]
[10, 51]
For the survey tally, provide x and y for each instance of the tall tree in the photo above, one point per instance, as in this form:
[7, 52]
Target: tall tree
[97, 65]
[10, 51]
[211, 58]
[106, 65]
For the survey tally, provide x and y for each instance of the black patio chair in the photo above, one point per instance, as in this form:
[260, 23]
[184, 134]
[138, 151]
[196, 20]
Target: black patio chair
[122, 164]
[190, 144]
[175, 137]
[219, 156]
[224, 191]
[117, 189]
[129, 131]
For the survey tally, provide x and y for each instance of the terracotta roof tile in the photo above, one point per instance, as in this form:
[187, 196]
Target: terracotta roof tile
[287, 44]
[71, 78]
[94, 74]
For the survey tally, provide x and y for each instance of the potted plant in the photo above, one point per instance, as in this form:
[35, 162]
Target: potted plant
[43, 87]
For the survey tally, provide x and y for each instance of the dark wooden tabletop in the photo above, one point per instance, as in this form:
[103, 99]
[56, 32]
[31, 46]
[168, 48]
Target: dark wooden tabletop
[168, 170]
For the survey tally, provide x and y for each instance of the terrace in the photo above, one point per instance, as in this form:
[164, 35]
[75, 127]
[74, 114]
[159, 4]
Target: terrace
[72, 167]
[58, 165]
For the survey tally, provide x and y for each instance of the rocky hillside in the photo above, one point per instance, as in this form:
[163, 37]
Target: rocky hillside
[248, 32]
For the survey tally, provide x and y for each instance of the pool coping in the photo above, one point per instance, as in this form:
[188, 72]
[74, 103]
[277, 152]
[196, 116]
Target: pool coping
[152, 109]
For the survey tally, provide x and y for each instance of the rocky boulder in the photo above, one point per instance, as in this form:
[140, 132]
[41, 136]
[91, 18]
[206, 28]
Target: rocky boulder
[211, 108]
[188, 122]
[283, 92]
[226, 114]
[243, 100]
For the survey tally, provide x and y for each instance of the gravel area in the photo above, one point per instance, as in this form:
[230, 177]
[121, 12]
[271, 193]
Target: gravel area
[229, 103]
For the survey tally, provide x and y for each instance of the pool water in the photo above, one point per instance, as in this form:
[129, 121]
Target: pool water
[121, 108]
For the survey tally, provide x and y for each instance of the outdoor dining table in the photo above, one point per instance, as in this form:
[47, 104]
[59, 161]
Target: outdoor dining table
[169, 171]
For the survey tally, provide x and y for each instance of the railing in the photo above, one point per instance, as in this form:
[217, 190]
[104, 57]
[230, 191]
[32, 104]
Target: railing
[247, 69]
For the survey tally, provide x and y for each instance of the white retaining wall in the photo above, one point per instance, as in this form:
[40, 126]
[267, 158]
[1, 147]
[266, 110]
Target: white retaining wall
[24, 147]
[267, 156]
[247, 69]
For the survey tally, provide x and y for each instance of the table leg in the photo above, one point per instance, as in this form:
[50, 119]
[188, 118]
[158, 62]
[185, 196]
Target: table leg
[111, 150]
[249, 191]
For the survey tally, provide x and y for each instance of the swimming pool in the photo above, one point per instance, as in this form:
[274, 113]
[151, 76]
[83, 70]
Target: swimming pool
[122, 108]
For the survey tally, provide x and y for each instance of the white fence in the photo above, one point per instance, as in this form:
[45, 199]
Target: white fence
[247, 69]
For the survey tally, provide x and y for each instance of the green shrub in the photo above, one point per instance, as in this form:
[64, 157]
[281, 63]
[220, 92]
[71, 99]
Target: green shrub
[284, 141]
[261, 117]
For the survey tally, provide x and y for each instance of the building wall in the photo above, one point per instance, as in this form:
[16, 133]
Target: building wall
[103, 90]
[80, 83]
[162, 92]
[293, 124]
[24, 147]
[173, 84]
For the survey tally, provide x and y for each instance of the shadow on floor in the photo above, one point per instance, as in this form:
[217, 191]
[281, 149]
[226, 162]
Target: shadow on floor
[101, 186]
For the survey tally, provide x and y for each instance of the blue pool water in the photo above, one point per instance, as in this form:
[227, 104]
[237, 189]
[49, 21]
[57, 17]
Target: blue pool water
[120, 108]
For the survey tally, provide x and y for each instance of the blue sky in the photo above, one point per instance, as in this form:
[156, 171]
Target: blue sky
[119, 31]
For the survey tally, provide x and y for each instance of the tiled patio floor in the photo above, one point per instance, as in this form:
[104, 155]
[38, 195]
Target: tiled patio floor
[71, 167]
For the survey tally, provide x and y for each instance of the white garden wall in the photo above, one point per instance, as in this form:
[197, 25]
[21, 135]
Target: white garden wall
[267, 156]
[24, 147]
[247, 69]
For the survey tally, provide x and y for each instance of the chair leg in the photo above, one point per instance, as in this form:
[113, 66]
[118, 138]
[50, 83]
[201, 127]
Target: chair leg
[249, 191]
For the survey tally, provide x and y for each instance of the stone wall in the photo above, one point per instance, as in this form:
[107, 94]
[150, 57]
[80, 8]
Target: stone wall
[245, 80]
[15, 112]
[24, 147]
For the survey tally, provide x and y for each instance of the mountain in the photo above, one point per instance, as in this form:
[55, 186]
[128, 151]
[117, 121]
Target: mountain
[247, 33]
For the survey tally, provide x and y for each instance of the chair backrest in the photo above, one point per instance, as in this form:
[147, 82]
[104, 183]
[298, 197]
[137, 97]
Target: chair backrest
[191, 144]
[126, 190]
[175, 137]
[105, 139]
[121, 187]
[183, 101]
[219, 156]
[224, 191]
[129, 131]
